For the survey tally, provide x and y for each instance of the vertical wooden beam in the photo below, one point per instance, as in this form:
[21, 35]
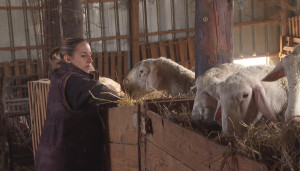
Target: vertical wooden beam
[72, 18]
[214, 34]
[106, 64]
[113, 65]
[162, 49]
[143, 52]
[135, 31]
[100, 64]
[191, 50]
[120, 65]
[153, 50]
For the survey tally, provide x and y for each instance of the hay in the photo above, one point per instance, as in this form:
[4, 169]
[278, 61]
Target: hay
[277, 145]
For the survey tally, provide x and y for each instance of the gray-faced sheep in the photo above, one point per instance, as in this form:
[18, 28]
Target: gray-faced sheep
[159, 74]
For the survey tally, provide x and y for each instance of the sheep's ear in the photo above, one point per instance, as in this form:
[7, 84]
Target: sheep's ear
[276, 73]
[218, 114]
[152, 79]
[262, 103]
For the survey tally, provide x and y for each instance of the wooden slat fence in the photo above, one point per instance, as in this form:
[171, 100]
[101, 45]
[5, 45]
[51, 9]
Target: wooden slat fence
[38, 93]
[111, 64]
[180, 51]
[287, 43]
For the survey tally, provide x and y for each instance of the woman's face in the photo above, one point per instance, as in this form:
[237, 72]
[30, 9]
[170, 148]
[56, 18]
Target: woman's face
[82, 57]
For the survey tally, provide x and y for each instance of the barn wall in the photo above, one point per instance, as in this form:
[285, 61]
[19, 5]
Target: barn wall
[112, 19]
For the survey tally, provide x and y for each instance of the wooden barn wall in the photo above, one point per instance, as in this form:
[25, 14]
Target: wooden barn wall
[17, 33]
[257, 39]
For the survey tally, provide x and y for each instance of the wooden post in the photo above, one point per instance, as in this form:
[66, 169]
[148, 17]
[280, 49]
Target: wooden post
[72, 21]
[135, 55]
[214, 34]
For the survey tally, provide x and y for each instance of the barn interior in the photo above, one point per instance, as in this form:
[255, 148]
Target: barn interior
[199, 34]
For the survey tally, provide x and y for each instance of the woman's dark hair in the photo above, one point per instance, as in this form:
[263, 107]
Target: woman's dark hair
[67, 48]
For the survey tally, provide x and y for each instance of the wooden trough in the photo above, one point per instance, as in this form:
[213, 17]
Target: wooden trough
[138, 138]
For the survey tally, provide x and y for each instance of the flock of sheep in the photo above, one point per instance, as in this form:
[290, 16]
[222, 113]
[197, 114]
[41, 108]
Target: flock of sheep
[227, 94]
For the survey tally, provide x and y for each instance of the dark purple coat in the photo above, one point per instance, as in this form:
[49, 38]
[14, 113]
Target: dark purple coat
[72, 136]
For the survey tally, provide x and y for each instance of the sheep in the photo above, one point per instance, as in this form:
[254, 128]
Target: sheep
[159, 74]
[244, 97]
[206, 102]
[289, 67]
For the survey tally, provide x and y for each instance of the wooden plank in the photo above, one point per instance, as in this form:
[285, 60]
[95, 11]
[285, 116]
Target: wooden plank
[120, 66]
[157, 159]
[143, 52]
[288, 48]
[106, 64]
[191, 148]
[296, 27]
[191, 50]
[171, 50]
[113, 65]
[126, 70]
[183, 52]
[290, 27]
[162, 49]
[122, 124]
[6, 69]
[100, 64]
[293, 26]
[123, 157]
[153, 50]
[28, 67]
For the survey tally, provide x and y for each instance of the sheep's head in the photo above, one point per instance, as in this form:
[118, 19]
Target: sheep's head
[135, 81]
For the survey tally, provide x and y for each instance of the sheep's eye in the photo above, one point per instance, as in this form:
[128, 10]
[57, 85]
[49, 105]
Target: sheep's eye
[245, 95]
[141, 71]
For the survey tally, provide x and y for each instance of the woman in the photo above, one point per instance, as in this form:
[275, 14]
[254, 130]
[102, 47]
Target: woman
[72, 136]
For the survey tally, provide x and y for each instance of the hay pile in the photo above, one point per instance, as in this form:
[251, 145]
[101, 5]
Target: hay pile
[277, 145]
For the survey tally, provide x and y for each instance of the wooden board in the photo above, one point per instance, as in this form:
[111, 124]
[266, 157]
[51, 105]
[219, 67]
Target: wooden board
[194, 150]
[123, 157]
[121, 123]
[157, 159]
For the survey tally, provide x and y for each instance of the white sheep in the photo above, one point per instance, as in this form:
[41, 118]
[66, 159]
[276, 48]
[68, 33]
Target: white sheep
[244, 97]
[289, 67]
[206, 102]
[159, 74]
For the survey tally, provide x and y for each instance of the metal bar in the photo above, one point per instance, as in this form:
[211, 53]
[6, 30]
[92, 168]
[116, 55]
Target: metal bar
[88, 21]
[253, 29]
[240, 29]
[172, 17]
[101, 21]
[167, 32]
[145, 20]
[256, 22]
[103, 28]
[116, 10]
[18, 48]
[11, 34]
[186, 16]
[20, 8]
[26, 30]
[158, 17]
[95, 1]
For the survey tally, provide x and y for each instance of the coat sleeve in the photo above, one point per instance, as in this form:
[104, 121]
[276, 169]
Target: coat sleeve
[78, 92]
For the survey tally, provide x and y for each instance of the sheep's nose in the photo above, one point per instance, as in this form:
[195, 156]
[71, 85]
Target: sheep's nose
[196, 115]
